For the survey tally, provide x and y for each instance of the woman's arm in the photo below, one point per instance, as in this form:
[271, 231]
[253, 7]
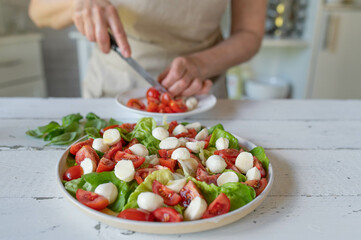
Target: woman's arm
[186, 75]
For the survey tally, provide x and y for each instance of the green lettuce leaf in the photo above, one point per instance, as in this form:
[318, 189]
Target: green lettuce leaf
[206, 153]
[217, 133]
[124, 134]
[218, 126]
[241, 177]
[143, 132]
[69, 119]
[162, 176]
[259, 153]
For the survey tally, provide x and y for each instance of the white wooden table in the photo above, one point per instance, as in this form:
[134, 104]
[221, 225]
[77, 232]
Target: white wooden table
[314, 146]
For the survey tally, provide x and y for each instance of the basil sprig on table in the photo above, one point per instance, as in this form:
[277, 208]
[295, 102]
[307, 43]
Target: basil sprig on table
[73, 127]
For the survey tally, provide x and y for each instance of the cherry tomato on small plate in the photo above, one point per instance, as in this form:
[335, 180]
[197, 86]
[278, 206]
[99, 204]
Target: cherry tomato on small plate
[166, 214]
[92, 200]
[170, 197]
[219, 206]
[165, 98]
[136, 103]
[153, 93]
[152, 106]
[178, 106]
[136, 214]
[72, 173]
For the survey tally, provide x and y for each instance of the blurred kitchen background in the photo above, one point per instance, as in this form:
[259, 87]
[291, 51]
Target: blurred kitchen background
[311, 49]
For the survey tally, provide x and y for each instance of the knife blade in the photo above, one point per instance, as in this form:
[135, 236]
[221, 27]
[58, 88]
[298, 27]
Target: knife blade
[136, 66]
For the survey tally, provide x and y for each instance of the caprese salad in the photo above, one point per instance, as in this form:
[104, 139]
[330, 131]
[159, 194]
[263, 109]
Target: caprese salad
[167, 173]
[163, 103]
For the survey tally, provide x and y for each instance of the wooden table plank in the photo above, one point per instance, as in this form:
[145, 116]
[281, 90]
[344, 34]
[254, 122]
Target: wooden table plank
[225, 109]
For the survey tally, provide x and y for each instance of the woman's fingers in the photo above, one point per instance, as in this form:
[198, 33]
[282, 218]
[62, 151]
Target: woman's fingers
[194, 88]
[176, 72]
[118, 30]
[179, 86]
[89, 25]
[101, 33]
[206, 87]
[78, 21]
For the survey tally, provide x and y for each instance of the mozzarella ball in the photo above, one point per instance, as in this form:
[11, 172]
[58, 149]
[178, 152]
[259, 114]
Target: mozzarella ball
[244, 161]
[160, 133]
[182, 141]
[196, 146]
[139, 150]
[99, 145]
[107, 190]
[179, 129]
[180, 153]
[152, 159]
[149, 201]
[253, 174]
[191, 103]
[111, 136]
[169, 143]
[176, 185]
[227, 177]
[196, 125]
[216, 164]
[222, 143]
[124, 170]
[203, 134]
[88, 165]
[196, 209]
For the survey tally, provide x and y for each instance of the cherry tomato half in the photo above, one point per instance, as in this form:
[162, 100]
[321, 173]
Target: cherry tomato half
[136, 103]
[259, 166]
[137, 160]
[77, 146]
[219, 206]
[152, 106]
[178, 106]
[142, 173]
[113, 150]
[153, 93]
[86, 152]
[188, 192]
[165, 98]
[107, 128]
[166, 214]
[229, 154]
[72, 173]
[169, 163]
[105, 165]
[128, 126]
[92, 200]
[258, 186]
[136, 214]
[202, 175]
[172, 125]
[170, 197]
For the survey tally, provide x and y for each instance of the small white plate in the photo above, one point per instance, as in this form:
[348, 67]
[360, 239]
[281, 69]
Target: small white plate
[205, 102]
[168, 228]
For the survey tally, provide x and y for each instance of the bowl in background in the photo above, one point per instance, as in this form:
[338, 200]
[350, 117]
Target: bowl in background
[267, 88]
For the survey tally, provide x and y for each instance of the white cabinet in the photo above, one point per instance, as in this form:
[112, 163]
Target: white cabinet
[21, 66]
[338, 68]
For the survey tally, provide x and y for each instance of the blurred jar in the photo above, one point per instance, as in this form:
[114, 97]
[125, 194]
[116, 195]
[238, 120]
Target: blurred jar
[267, 88]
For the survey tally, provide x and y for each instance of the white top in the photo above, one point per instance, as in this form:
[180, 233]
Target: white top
[314, 147]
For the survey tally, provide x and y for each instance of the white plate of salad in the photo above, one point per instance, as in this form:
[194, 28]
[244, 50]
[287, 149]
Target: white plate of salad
[150, 102]
[165, 179]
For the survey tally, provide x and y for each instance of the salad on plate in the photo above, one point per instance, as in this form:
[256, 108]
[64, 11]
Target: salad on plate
[165, 173]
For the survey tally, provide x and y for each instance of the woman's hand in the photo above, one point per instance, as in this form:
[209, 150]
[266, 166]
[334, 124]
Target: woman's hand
[183, 78]
[93, 18]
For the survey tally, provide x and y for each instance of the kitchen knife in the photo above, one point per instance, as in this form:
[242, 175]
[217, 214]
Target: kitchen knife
[135, 65]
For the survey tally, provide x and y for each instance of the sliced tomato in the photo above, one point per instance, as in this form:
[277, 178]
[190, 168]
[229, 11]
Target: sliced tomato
[219, 206]
[166, 214]
[137, 160]
[128, 126]
[107, 128]
[172, 125]
[161, 107]
[136, 103]
[131, 143]
[258, 186]
[198, 160]
[163, 153]
[142, 173]
[230, 154]
[136, 214]
[188, 192]
[153, 93]
[190, 134]
[92, 200]
[207, 141]
[259, 166]
[77, 146]
[152, 106]
[72, 173]
[178, 106]
[105, 165]
[86, 152]
[169, 163]
[170, 197]
[113, 150]
[167, 109]
[202, 175]
[165, 98]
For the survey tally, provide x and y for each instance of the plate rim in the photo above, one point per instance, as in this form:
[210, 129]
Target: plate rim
[158, 227]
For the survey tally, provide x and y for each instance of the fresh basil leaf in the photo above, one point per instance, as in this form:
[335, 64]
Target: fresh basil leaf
[260, 154]
[73, 185]
[217, 133]
[69, 119]
[96, 123]
[100, 154]
[64, 139]
[184, 123]
[91, 116]
[54, 133]
[92, 132]
[40, 132]
[112, 121]
[74, 127]
[218, 126]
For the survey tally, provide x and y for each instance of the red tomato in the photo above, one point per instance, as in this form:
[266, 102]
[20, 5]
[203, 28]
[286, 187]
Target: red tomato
[163, 153]
[92, 200]
[202, 175]
[165, 214]
[131, 143]
[259, 166]
[128, 126]
[137, 160]
[152, 106]
[77, 146]
[136, 103]
[105, 165]
[190, 134]
[188, 192]
[165, 98]
[172, 125]
[178, 106]
[86, 152]
[258, 186]
[207, 141]
[113, 150]
[153, 93]
[72, 173]
[169, 163]
[170, 197]
[142, 173]
[229, 154]
[107, 128]
[167, 109]
[161, 108]
[136, 214]
[219, 206]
